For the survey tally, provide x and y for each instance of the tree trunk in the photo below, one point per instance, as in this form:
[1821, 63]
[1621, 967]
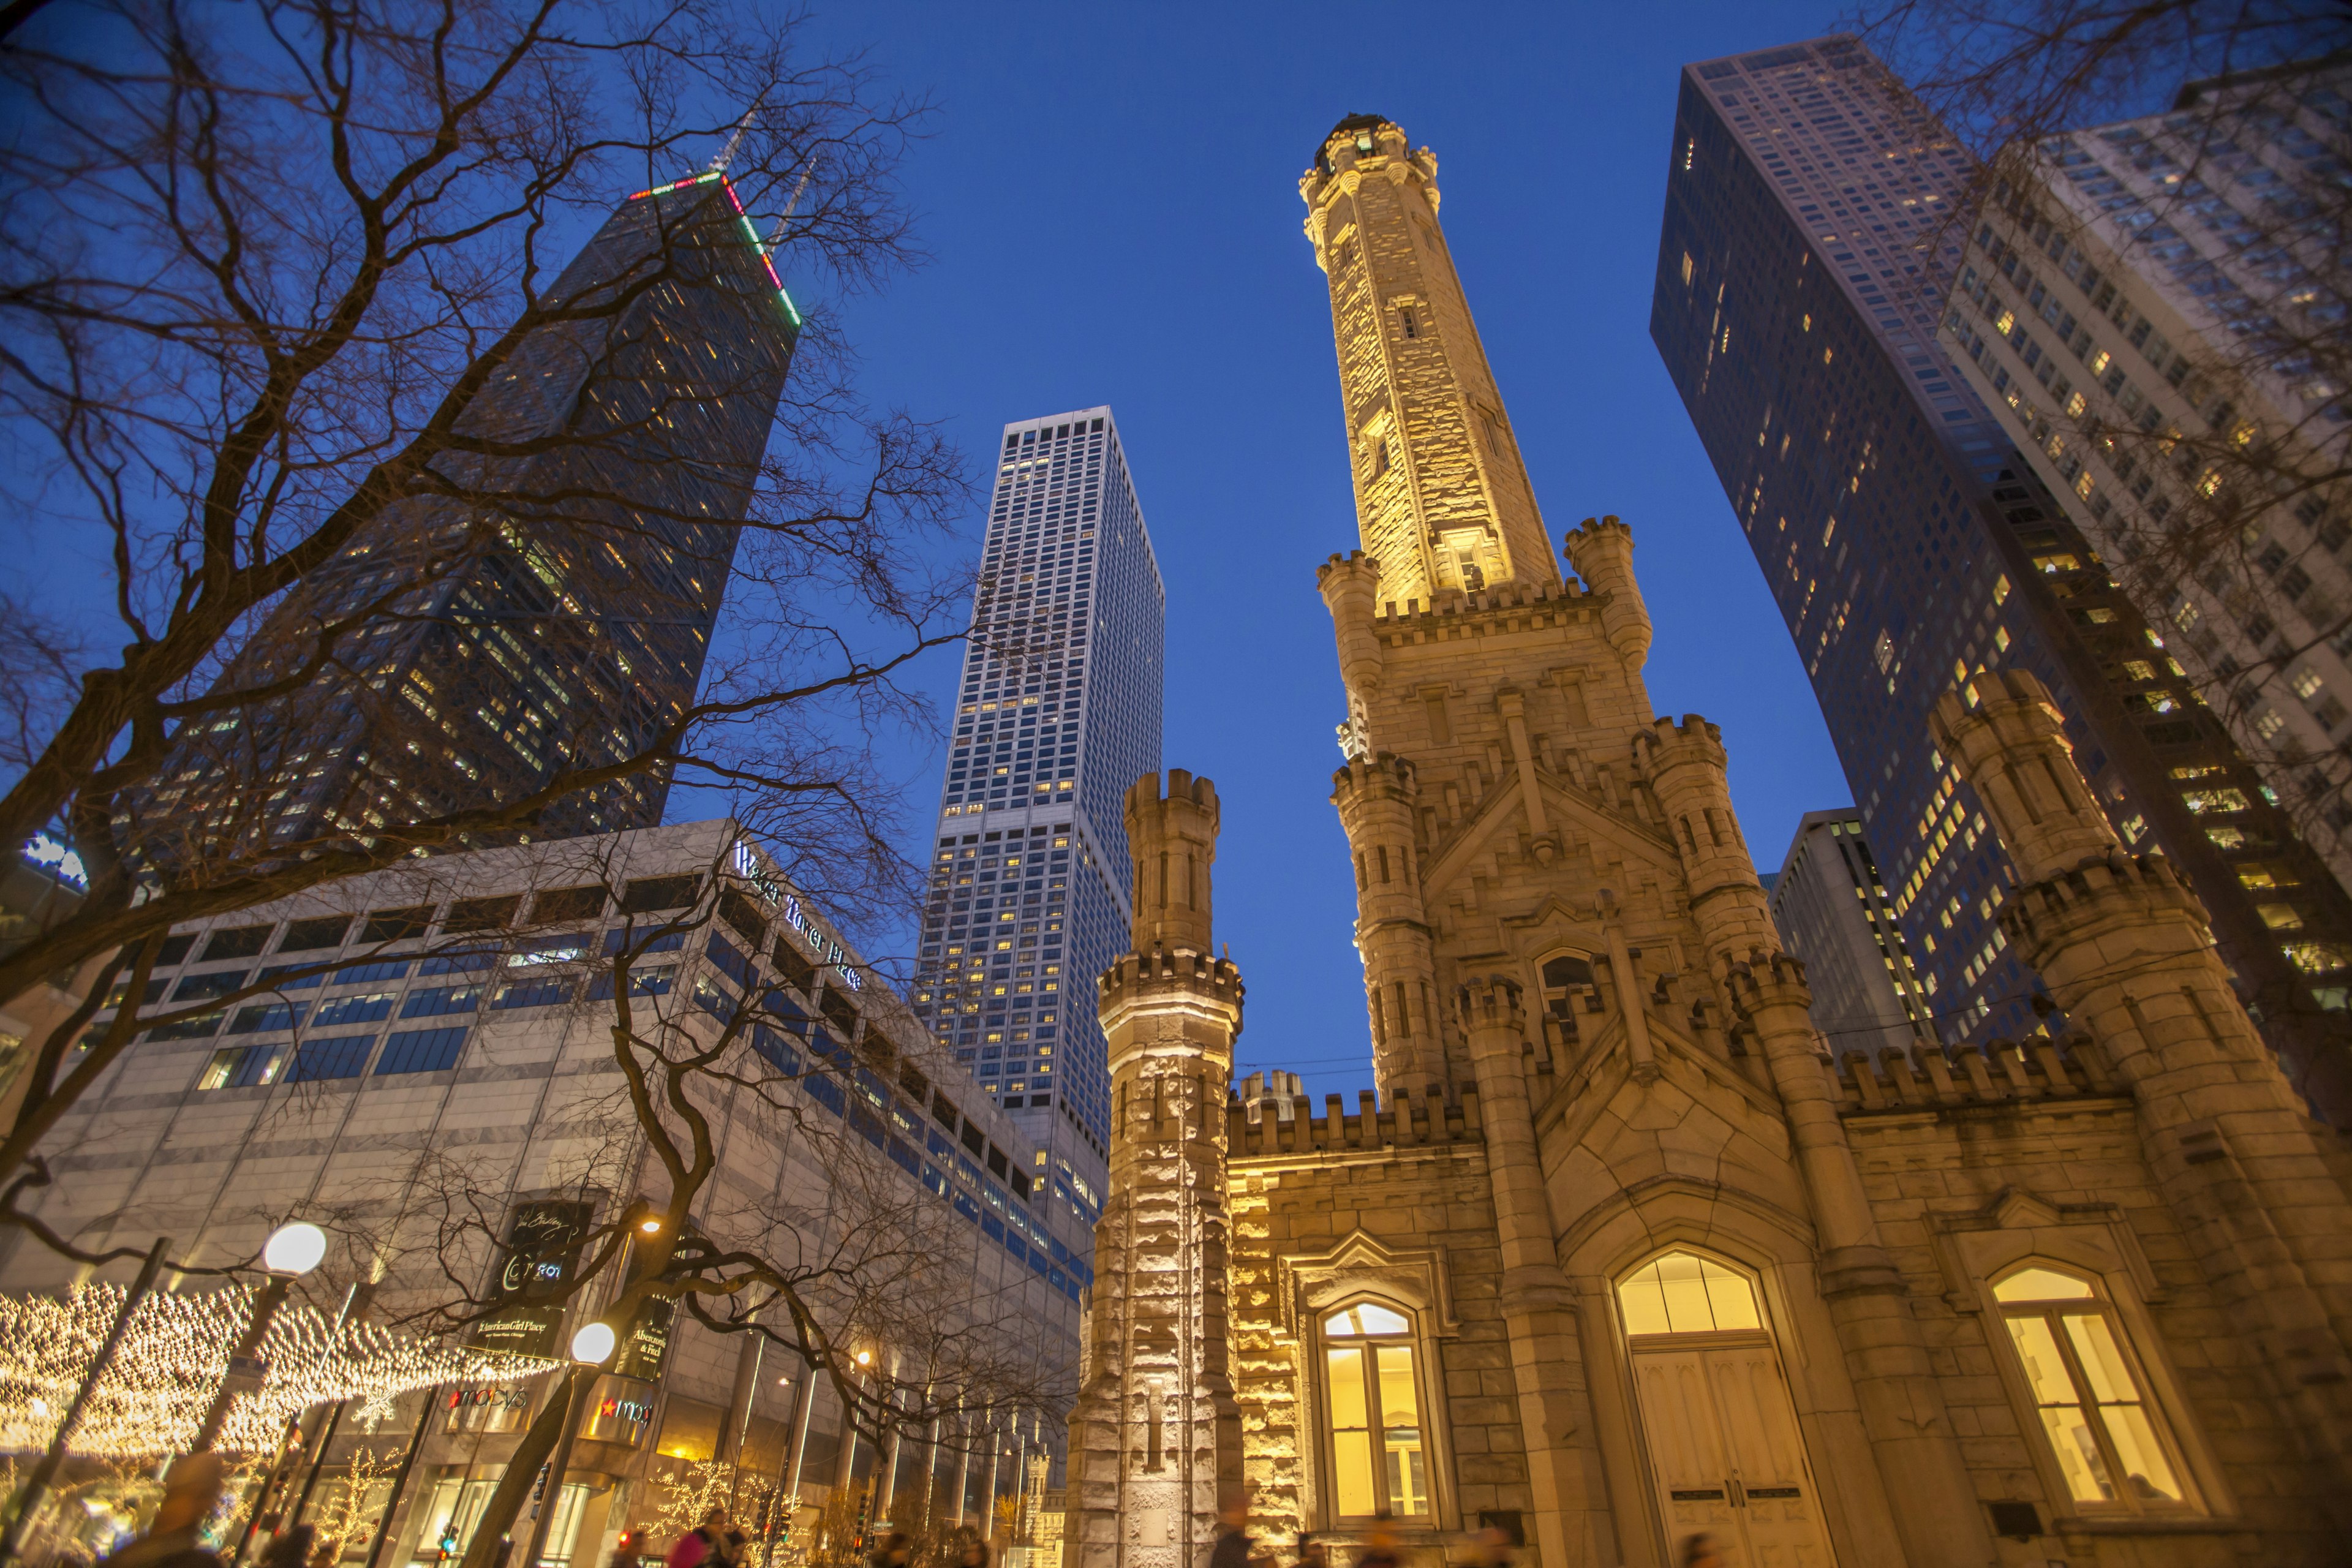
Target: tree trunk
[522, 1471]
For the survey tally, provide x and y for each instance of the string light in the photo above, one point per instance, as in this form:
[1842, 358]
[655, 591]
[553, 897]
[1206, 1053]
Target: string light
[175, 1353]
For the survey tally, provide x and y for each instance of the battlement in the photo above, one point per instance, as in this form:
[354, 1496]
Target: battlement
[1353, 564]
[1690, 730]
[1490, 1001]
[2000, 1072]
[1273, 1127]
[1182, 785]
[1542, 603]
[1134, 974]
[1385, 775]
[1752, 982]
[1593, 531]
[2148, 882]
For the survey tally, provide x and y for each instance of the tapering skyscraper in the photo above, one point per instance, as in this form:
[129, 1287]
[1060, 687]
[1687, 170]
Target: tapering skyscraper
[544, 611]
[1813, 222]
[1059, 714]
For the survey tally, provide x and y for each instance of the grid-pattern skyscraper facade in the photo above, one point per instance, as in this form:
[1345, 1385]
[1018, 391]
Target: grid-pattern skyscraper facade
[541, 613]
[1059, 712]
[1835, 913]
[1813, 221]
[2137, 282]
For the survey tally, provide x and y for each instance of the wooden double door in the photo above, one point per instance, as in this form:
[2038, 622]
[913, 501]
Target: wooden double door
[1724, 1449]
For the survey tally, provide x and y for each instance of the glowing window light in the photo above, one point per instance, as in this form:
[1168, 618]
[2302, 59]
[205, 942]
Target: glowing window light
[791, 312]
[175, 1353]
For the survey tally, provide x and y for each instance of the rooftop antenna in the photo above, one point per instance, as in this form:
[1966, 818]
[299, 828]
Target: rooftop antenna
[776, 236]
[726, 153]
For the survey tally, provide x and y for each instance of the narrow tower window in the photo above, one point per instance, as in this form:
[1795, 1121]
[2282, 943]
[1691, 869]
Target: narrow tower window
[1411, 328]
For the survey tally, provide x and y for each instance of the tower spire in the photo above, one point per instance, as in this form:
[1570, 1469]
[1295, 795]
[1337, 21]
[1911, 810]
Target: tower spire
[735, 139]
[776, 235]
[1442, 497]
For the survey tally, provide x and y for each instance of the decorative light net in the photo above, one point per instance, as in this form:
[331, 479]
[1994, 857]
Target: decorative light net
[175, 1353]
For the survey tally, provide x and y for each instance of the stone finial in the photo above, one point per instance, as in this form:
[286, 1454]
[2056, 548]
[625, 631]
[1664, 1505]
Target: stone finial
[1173, 838]
[2009, 742]
[1602, 553]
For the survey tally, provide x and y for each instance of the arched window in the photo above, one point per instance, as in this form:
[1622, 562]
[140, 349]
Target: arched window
[2110, 1440]
[1683, 1293]
[1380, 1460]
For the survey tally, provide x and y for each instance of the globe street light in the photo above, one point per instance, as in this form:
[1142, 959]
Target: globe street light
[291, 1251]
[594, 1343]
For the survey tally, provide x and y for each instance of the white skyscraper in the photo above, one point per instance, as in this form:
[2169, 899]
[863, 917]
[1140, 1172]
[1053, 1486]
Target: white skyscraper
[1057, 714]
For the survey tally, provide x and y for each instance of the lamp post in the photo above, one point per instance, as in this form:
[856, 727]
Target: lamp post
[804, 1406]
[291, 1251]
[592, 1347]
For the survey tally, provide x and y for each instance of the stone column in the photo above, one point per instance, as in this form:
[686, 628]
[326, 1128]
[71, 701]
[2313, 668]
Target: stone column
[1539, 1308]
[1375, 797]
[1155, 1434]
[2126, 949]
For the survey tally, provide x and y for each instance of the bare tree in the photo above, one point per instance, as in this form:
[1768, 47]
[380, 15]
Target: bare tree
[414, 536]
[2211, 471]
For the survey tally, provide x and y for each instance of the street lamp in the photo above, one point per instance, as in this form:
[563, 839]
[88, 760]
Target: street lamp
[291, 1251]
[594, 1343]
[592, 1346]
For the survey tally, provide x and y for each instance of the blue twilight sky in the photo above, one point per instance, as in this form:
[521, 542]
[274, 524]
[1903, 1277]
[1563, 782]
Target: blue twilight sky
[1111, 200]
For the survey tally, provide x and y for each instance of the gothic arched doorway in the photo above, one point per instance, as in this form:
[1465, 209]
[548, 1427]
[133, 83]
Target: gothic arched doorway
[1725, 1453]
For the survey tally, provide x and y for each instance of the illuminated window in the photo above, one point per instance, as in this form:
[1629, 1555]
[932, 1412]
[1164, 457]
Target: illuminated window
[1379, 1459]
[1683, 1293]
[2110, 1441]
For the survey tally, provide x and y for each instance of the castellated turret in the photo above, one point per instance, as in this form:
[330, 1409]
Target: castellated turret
[1351, 585]
[1602, 553]
[1376, 797]
[1173, 840]
[1688, 772]
[2012, 747]
[1155, 1434]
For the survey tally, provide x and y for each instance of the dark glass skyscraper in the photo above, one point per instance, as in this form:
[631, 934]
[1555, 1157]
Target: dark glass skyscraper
[548, 611]
[1060, 714]
[1812, 225]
